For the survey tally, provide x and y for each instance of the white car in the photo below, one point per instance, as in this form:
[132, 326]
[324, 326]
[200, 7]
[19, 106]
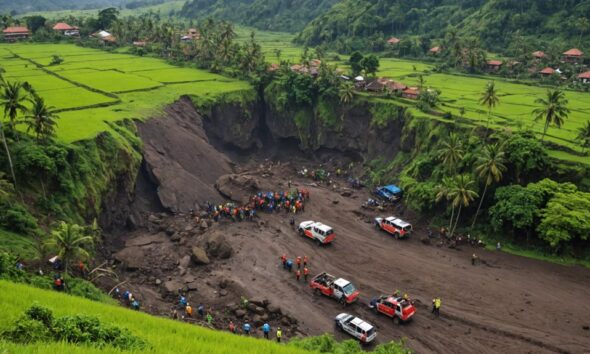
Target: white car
[395, 226]
[363, 331]
[320, 233]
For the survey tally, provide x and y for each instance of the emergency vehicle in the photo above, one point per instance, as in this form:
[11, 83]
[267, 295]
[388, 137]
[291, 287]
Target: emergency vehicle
[393, 306]
[320, 233]
[397, 227]
[337, 288]
[363, 331]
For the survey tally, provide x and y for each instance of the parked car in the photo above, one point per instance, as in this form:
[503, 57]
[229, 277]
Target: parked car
[395, 226]
[320, 233]
[336, 288]
[391, 193]
[363, 331]
[396, 307]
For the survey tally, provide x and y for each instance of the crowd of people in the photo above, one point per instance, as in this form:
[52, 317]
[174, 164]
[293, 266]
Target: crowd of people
[300, 262]
[127, 297]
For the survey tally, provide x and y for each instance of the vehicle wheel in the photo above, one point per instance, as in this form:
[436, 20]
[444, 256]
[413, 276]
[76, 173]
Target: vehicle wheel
[396, 236]
[375, 310]
[317, 292]
[396, 320]
[318, 242]
[300, 232]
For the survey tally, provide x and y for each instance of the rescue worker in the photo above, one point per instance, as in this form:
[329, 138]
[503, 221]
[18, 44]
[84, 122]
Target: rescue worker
[232, 327]
[474, 259]
[117, 293]
[266, 330]
[188, 310]
[201, 310]
[289, 264]
[81, 268]
[209, 318]
[406, 297]
[396, 293]
[298, 262]
[498, 246]
[247, 328]
[284, 261]
[298, 274]
[182, 301]
[279, 334]
[436, 306]
[305, 261]
[135, 304]
[174, 314]
[305, 273]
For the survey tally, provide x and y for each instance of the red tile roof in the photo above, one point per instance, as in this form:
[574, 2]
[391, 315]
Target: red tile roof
[495, 62]
[61, 26]
[539, 54]
[393, 40]
[585, 75]
[435, 49]
[547, 71]
[574, 52]
[411, 91]
[16, 30]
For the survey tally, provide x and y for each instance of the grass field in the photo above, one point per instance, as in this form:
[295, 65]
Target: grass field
[117, 86]
[162, 335]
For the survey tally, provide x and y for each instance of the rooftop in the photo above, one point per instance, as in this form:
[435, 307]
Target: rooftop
[16, 30]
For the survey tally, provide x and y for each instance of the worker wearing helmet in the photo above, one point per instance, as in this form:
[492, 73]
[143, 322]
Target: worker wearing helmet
[436, 302]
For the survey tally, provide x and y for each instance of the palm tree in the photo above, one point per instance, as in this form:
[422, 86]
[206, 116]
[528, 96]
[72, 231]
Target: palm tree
[461, 195]
[346, 92]
[41, 119]
[451, 152]
[443, 190]
[5, 143]
[489, 98]
[489, 167]
[553, 109]
[6, 188]
[12, 101]
[70, 242]
[584, 136]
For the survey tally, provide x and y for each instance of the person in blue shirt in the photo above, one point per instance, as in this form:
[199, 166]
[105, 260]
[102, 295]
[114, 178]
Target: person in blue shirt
[135, 304]
[182, 301]
[266, 330]
[247, 328]
[201, 310]
[289, 264]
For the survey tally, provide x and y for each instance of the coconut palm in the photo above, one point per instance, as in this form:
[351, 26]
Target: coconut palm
[461, 195]
[490, 99]
[5, 143]
[489, 168]
[584, 136]
[6, 188]
[346, 92]
[451, 152]
[12, 100]
[71, 243]
[41, 119]
[553, 109]
[443, 190]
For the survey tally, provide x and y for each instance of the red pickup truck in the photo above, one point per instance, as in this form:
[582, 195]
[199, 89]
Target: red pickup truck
[337, 288]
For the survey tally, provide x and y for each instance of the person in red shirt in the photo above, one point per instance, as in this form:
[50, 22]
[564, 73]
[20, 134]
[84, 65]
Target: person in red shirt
[298, 274]
[305, 273]
[298, 262]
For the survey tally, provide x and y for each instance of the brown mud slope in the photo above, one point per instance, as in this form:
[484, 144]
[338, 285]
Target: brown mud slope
[507, 304]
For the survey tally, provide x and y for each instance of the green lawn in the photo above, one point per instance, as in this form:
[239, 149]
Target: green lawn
[142, 86]
[162, 335]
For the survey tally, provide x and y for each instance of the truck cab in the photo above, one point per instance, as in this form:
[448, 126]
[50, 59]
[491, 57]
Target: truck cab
[397, 308]
[337, 288]
[391, 193]
[320, 233]
[394, 226]
[354, 326]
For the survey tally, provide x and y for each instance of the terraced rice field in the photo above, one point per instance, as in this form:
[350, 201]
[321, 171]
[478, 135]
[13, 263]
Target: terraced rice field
[92, 87]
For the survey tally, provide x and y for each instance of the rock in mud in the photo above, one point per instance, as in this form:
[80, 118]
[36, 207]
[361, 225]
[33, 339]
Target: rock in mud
[222, 292]
[217, 246]
[238, 188]
[172, 286]
[346, 194]
[274, 309]
[223, 283]
[240, 313]
[176, 237]
[158, 282]
[184, 262]
[259, 302]
[199, 256]
[259, 310]
[203, 225]
[154, 219]
[257, 321]
[231, 307]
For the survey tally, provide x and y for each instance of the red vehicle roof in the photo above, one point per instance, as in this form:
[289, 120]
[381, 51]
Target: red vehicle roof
[574, 52]
[16, 30]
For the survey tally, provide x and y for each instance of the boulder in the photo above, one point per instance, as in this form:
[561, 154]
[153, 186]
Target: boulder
[240, 313]
[189, 228]
[217, 246]
[274, 309]
[193, 285]
[158, 282]
[346, 194]
[259, 302]
[257, 321]
[259, 310]
[176, 237]
[238, 188]
[170, 231]
[203, 225]
[184, 262]
[199, 256]
[231, 307]
[172, 286]
[223, 283]
[154, 219]
[222, 292]
[251, 307]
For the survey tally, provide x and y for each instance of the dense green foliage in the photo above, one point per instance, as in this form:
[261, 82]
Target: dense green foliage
[327, 344]
[20, 7]
[274, 15]
[38, 325]
[363, 24]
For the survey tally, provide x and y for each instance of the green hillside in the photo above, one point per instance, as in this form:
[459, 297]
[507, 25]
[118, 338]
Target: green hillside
[364, 23]
[162, 335]
[274, 15]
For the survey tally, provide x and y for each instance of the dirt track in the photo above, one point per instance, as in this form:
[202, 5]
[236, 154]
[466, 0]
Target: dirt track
[510, 304]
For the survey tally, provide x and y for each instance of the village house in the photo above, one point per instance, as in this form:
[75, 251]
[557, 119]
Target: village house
[494, 65]
[411, 93]
[584, 77]
[105, 37]
[384, 84]
[547, 72]
[538, 55]
[13, 34]
[192, 35]
[139, 43]
[435, 50]
[573, 56]
[393, 41]
[66, 30]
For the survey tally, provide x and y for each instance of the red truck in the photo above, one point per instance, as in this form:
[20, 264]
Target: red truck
[393, 306]
[337, 288]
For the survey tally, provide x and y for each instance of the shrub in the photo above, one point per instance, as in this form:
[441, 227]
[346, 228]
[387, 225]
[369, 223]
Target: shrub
[16, 218]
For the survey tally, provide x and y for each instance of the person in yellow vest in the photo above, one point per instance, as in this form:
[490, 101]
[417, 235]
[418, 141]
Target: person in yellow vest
[279, 334]
[436, 306]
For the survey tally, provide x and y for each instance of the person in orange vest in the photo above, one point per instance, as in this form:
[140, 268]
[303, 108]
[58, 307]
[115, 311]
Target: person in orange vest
[188, 310]
[284, 261]
[305, 261]
[232, 327]
[298, 262]
[305, 273]
[81, 267]
[298, 274]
